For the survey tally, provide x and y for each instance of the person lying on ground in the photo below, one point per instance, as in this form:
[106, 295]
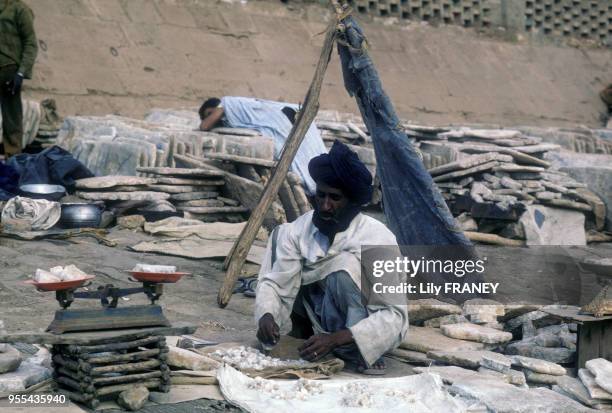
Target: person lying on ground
[312, 272]
[273, 119]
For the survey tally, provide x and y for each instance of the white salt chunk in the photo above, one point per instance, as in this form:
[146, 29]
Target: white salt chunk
[42, 276]
[154, 268]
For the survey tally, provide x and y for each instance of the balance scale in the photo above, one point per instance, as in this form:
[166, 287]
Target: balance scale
[109, 316]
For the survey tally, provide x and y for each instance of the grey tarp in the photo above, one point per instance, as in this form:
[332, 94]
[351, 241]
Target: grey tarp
[415, 210]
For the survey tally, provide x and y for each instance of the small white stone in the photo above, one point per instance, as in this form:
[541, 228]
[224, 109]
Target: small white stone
[250, 358]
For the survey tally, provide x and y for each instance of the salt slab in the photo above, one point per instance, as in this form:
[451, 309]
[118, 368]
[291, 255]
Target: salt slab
[185, 359]
[540, 378]
[474, 332]
[468, 359]
[26, 375]
[538, 366]
[166, 269]
[602, 370]
[10, 359]
[498, 396]
[428, 308]
[425, 339]
[100, 182]
[595, 390]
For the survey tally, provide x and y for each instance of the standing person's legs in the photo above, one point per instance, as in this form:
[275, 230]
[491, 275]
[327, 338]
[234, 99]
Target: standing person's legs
[12, 115]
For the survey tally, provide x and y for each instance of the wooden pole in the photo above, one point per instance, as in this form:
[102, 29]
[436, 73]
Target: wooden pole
[149, 384]
[82, 387]
[78, 397]
[103, 348]
[127, 367]
[292, 210]
[298, 193]
[241, 159]
[71, 364]
[139, 355]
[129, 378]
[305, 117]
[75, 375]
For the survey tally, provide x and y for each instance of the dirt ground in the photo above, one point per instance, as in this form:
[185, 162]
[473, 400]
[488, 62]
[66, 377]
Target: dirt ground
[194, 298]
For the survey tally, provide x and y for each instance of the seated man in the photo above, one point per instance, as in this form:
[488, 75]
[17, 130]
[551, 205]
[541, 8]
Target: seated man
[273, 119]
[313, 267]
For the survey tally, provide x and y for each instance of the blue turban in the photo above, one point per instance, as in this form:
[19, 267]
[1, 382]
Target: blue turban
[341, 168]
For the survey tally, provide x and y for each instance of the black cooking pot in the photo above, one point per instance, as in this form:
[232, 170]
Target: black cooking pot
[78, 215]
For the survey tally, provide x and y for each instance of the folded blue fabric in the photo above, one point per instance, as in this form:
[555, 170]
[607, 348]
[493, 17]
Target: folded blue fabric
[54, 166]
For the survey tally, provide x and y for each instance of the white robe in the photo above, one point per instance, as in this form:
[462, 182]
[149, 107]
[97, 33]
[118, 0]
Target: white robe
[302, 258]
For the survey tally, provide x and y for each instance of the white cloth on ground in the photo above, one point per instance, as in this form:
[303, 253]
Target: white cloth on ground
[419, 393]
[301, 261]
[30, 214]
[266, 117]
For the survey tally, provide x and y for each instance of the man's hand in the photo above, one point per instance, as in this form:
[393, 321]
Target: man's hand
[320, 345]
[269, 331]
[14, 86]
[212, 119]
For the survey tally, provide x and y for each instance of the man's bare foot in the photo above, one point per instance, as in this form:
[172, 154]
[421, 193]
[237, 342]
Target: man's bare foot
[378, 368]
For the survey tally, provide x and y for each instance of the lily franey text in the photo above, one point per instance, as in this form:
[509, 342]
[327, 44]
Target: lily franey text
[432, 288]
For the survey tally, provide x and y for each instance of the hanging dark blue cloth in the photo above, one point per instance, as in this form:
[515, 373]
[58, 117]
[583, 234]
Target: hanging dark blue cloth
[413, 206]
[54, 166]
[9, 181]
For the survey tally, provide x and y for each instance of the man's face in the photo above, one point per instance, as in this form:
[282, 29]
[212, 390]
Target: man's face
[330, 202]
[207, 112]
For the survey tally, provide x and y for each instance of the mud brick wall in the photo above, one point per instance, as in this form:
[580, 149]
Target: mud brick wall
[466, 13]
[125, 57]
[590, 19]
[586, 19]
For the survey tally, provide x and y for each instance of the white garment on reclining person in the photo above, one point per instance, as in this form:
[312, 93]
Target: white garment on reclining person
[266, 116]
[300, 260]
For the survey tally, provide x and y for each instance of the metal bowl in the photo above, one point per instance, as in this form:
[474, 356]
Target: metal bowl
[43, 191]
[78, 215]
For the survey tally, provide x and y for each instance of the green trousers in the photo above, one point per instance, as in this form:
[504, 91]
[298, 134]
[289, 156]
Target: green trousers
[12, 113]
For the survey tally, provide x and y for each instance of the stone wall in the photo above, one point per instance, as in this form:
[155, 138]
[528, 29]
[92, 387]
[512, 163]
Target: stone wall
[125, 57]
